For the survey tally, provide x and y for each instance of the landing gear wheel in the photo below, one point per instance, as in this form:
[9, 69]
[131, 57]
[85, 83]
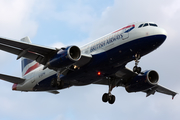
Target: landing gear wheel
[53, 83]
[108, 97]
[60, 84]
[105, 97]
[111, 99]
[138, 70]
[135, 69]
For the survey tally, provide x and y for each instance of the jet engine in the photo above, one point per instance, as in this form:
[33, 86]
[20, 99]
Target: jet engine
[143, 81]
[65, 57]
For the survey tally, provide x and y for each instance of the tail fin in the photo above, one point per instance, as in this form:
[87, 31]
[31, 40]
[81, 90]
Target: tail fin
[27, 64]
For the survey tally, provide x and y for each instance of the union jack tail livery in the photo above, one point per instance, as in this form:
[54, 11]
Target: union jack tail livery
[28, 65]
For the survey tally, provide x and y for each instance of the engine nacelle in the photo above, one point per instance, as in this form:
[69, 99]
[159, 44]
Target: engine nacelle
[65, 57]
[143, 81]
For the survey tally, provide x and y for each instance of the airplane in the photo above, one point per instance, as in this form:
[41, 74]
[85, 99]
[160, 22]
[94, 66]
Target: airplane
[102, 62]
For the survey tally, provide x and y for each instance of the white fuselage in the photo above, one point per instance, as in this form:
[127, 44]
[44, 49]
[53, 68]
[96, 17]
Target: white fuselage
[103, 44]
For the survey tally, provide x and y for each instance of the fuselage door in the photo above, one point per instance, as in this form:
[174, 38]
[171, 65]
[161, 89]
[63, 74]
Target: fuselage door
[125, 34]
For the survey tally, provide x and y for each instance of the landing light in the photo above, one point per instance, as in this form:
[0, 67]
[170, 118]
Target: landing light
[99, 73]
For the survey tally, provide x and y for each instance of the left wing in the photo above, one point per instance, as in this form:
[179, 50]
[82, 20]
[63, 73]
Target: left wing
[165, 91]
[124, 75]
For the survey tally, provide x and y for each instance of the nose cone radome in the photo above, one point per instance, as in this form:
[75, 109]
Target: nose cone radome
[163, 32]
[160, 35]
[160, 31]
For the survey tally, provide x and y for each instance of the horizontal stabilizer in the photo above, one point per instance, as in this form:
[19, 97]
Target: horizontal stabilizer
[11, 79]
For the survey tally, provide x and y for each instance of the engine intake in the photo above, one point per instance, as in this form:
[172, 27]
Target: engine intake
[65, 57]
[152, 77]
[74, 53]
[143, 82]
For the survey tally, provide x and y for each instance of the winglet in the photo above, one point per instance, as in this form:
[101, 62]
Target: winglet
[173, 96]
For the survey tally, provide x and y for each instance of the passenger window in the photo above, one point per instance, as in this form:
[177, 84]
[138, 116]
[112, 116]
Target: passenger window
[146, 24]
[151, 24]
[140, 25]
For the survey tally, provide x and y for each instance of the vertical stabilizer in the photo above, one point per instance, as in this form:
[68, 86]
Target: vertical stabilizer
[27, 64]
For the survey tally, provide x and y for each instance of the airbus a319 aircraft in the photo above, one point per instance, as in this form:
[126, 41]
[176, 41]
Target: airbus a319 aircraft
[102, 62]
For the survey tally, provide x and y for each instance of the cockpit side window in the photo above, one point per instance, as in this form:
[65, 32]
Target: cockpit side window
[140, 25]
[151, 24]
[146, 24]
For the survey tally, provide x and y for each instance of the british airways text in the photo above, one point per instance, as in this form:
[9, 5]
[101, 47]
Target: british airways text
[105, 42]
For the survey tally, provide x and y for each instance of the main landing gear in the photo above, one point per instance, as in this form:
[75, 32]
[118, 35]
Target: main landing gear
[57, 82]
[108, 96]
[136, 68]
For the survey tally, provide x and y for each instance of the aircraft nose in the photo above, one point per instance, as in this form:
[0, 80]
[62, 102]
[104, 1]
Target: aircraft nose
[159, 31]
[160, 36]
[163, 32]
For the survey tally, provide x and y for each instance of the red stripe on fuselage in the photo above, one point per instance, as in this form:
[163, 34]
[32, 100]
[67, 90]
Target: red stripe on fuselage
[124, 28]
[32, 68]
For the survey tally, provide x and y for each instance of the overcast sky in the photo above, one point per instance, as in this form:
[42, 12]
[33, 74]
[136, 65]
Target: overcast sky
[59, 23]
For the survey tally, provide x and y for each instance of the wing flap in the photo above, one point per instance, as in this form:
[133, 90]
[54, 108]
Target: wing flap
[12, 79]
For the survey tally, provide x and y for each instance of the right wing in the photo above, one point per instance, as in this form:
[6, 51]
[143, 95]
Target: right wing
[27, 50]
[34, 52]
[12, 79]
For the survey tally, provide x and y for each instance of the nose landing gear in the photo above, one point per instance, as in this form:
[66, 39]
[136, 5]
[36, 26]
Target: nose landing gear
[136, 68]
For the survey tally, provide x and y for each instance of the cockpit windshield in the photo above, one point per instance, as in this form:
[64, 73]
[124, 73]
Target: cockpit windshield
[152, 24]
[147, 24]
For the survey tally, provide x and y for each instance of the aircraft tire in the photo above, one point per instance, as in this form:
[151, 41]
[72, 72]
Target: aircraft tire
[105, 97]
[112, 99]
[53, 83]
[138, 70]
[60, 84]
[135, 69]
